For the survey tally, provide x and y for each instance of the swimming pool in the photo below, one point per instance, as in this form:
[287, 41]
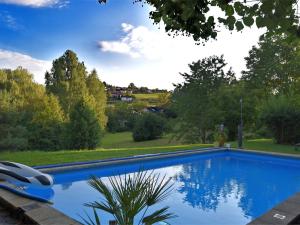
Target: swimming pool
[227, 187]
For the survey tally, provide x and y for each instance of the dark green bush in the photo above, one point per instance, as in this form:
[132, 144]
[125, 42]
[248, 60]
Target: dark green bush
[281, 115]
[84, 129]
[120, 118]
[148, 126]
[47, 136]
[13, 134]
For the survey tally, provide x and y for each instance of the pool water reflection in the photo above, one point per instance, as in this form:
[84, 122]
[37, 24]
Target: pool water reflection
[216, 188]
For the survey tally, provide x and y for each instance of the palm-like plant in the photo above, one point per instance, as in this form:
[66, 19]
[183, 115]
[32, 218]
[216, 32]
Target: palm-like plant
[132, 196]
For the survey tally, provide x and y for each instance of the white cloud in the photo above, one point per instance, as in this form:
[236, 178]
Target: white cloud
[9, 21]
[11, 60]
[155, 58]
[37, 3]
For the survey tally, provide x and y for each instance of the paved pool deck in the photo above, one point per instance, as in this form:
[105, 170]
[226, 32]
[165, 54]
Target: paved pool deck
[7, 219]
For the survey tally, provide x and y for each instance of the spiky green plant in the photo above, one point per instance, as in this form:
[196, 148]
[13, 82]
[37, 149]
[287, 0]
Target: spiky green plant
[131, 196]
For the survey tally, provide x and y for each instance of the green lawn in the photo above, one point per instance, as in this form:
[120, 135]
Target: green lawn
[124, 140]
[267, 145]
[33, 158]
[122, 145]
[151, 96]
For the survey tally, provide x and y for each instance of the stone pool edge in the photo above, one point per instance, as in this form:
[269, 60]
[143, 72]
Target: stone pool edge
[124, 160]
[29, 211]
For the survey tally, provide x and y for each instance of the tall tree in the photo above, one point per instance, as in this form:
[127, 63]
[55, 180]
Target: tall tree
[195, 100]
[97, 90]
[274, 66]
[67, 79]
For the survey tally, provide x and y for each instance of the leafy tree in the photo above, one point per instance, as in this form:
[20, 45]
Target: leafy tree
[26, 112]
[121, 117]
[282, 116]
[195, 101]
[67, 80]
[47, 127]
[164, 99]
[13, 134]
[199, 19]
[228, 102]
[84, 129]
[97, 90]
[148, 126]
[132, 87]
[131, 196]
[273, 67]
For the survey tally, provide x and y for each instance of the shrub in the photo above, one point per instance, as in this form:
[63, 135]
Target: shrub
[12, 135]
[148, 127]
[84, 129]
[47, 136]
[120, 118]
[282, 117]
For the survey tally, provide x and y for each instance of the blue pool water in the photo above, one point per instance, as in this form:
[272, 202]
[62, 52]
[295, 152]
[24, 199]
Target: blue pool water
[216, 188]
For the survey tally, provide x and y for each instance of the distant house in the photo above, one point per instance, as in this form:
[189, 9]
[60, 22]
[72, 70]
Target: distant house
[126, 98]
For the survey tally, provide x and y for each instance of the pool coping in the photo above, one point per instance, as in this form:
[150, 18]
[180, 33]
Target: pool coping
[285, 213]
[123, 160]
[33, 212]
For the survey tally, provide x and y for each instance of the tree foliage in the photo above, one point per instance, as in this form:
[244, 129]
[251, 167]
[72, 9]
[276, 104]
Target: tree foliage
[121, 117]
[66, 80]
[84, 129]
[28, 114]
[70, 82]
[196, 100]
[148, 126]
[97, 90]
[281, 115]
[202, 18]
[35, 117]
[273, 66]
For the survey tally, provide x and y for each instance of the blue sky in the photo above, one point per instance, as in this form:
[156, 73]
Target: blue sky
[118, 39]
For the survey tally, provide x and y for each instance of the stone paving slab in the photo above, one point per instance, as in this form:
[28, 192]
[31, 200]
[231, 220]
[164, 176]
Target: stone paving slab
[29, 212]
[7, 219]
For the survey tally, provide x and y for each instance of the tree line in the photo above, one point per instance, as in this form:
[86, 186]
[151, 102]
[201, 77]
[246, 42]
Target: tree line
[67, 113]
[269, 89]
[70, 111]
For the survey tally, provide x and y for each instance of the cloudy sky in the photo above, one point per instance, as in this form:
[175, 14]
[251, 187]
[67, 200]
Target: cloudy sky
[118, 39]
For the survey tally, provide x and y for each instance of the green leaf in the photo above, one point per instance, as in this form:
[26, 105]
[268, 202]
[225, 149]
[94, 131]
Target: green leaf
[260, 22]
[248, 21]
[239, 8]
[239, 25]
[230, 22]
[229, 10]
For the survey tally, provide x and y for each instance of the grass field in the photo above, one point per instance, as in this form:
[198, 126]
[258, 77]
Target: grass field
[34, 158]
[122, 145]
[267, 145]
[124, 140]
[152, 96]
